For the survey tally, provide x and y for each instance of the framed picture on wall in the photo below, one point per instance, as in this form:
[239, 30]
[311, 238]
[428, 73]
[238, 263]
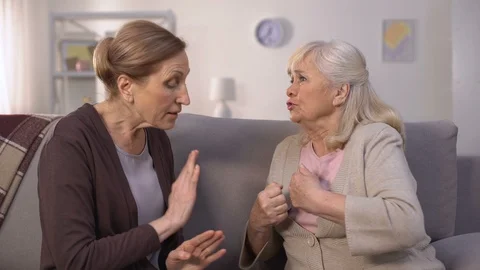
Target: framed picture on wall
[77, 55]
[398, 40]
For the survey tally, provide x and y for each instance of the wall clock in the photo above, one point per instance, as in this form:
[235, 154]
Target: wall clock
[270, 33]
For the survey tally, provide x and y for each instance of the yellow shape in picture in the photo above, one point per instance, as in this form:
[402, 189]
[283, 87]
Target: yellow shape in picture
[396, 33]
[81, 52]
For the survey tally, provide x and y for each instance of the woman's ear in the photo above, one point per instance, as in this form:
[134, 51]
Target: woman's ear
[341, 95]
[125, 88]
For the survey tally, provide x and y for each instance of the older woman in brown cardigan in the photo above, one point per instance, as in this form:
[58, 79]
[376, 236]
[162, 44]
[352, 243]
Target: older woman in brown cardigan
[340, 195]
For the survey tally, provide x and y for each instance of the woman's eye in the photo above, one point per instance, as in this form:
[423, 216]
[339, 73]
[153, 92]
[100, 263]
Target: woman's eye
[172, 83]
[299, 79]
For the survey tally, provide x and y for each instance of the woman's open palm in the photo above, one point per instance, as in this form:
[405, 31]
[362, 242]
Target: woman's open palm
[184, 191]
[197, 253]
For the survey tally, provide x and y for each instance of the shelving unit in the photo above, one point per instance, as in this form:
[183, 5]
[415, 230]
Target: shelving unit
[71, 84]
[74, 74]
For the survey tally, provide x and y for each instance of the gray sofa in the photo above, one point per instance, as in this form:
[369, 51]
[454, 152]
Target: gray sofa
[235, 156]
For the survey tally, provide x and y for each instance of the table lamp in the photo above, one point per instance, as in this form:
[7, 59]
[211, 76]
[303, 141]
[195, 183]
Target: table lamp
[222, 89]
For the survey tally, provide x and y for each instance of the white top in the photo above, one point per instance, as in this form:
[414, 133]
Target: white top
[145, 188]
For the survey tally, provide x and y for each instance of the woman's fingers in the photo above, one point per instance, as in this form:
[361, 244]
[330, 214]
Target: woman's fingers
[200, 247]
[273, 190]
[303, 170]
[212, 246]
[191, 162]
[196, 174]
[199, 239]
[194, 244]
[191, 170]
[217, 235]
[208, 243]
[278, 200]
[281, 209]
[215, 256]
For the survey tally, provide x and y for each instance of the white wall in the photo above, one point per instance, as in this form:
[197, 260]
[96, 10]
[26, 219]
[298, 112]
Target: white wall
[466, 74]
[38, 24]
[221, 43]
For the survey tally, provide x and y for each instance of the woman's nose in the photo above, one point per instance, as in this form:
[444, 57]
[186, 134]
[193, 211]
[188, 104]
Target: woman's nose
[290, 91]
[184, 98]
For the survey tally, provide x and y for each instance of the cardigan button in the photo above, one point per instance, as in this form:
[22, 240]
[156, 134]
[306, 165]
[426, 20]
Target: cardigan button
[311, 241]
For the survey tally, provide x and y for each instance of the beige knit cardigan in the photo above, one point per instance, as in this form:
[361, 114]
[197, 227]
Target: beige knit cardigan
[384, 223]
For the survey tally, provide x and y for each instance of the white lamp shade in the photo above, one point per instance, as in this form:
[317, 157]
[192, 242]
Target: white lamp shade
[222, 88]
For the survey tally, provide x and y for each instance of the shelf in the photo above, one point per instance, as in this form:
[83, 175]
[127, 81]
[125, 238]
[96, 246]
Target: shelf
[111, 15]
[75, 74]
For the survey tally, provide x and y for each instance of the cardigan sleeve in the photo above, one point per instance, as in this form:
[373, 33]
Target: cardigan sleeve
[248, 259]
[275, 243]
[67, 214]
[390, 218]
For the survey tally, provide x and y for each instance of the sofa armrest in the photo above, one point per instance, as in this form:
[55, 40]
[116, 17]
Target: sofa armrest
[459, 252]
[468, 201]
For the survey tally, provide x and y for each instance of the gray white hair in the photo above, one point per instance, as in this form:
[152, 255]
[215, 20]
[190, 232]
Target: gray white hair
[342, 63]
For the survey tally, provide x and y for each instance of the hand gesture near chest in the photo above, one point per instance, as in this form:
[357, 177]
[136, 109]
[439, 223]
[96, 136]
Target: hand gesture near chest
[270, 208]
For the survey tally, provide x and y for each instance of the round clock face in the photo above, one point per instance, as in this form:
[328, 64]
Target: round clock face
[269, 33]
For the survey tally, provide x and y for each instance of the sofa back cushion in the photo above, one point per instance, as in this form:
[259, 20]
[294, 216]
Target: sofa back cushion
[432, 156]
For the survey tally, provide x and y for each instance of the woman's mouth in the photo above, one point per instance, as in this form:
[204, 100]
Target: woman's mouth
[290, 106]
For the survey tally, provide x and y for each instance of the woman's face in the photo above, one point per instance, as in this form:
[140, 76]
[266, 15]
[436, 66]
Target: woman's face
[159, 100]
[309, 96]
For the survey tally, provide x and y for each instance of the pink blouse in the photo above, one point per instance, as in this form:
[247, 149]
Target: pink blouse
[325, 168]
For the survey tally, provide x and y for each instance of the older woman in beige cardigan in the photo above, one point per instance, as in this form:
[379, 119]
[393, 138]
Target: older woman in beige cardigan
[340, 195]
